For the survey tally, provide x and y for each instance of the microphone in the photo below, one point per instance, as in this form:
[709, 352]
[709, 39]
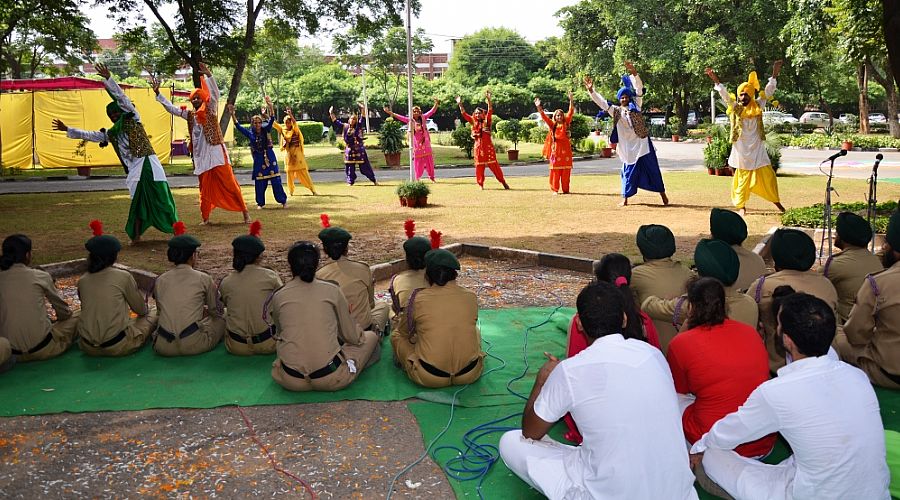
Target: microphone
[878, 159]
[837, 155]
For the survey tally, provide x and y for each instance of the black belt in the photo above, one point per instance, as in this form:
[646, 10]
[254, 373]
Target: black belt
[256, 339]
[321, 372]
[894, 378]
[111, 342]
[437, 372]
[42, 344]
[170, 337]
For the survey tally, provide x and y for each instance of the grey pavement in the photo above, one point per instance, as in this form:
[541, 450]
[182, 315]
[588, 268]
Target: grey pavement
[672, 157]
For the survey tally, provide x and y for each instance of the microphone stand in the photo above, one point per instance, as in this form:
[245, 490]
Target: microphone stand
[827, 228]
[872, 200]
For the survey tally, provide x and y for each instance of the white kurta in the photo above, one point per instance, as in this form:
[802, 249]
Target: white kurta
[622, 397]
[828, 412]
[133, 163]
[206, 156]
[631, 147]
[749, 152]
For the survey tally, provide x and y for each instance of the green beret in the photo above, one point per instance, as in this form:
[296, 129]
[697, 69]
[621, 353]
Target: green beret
[185, 241]
[893, 232]
[793, 249]
[248, 244]
[655, 242]
[727, 226]
[333, 234]
[441, 258]
[416, 246]
[853, 229]
[104, 245]
[113, 107]
[716, 259]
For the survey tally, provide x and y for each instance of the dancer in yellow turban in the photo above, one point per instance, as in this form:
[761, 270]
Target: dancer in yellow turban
[753, 168]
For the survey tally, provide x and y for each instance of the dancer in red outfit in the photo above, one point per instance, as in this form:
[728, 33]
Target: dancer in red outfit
[485, 156]
[558, 145]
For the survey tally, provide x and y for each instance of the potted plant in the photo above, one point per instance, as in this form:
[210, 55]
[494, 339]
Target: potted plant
[413, 194]
[605, 150]
[390, 138]
[675, 127]
[715, 154]
[847, 143]
[511, 130]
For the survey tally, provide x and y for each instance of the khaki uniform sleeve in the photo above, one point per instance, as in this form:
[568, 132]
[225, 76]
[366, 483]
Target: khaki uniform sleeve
[212, 296]
[59, 305]
[349, 331]
[371, 285]
[134, 298]
[860, 326]
[660, 309]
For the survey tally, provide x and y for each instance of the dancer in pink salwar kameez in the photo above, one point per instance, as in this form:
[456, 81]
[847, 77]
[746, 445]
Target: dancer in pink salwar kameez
[422, 158]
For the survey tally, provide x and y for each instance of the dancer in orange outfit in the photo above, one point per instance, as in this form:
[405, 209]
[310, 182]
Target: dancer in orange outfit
[558, 146]
[485, 156]
[218, 187]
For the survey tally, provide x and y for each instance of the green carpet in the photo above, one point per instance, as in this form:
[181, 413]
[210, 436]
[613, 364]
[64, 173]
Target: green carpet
[76, 383]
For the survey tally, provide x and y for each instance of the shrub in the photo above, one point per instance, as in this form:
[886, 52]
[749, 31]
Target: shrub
[580, 128]
[500, 147]
[462, 138]
[510, 130]
[413, 189]
[812, 216]
[538, 134]
[527, 126]
[773, 149]
[675, 125]
[390, 137]
[312, 131]
[588, 146]
[332, 137]
[340, 144]
[659, 130]
[715, 154]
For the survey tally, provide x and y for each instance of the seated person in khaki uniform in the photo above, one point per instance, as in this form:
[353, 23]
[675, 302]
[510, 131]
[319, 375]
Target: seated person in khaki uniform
[190, 321]
[714, 259]
[244, 293]
[443, 346]
[794, 254]
[320, 347]
[871, 337]
[354, 278]
[108, 295]
[403, 283]
[731, 228]
[848, 269]
[659, 275]
[7, 360]
[23, 318]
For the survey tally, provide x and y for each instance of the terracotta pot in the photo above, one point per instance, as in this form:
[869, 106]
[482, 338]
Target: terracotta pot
[709, 139]
[676, 138]
[606, 153]
[512, 154]
[729, 171]
[711, 171]
[596, 132]
[402, 201]
[847, 145]
[392, 159]
[422, 202]
[720, 172]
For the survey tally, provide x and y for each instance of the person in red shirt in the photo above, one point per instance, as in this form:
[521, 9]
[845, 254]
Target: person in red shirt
[558, 145]
[716, 364]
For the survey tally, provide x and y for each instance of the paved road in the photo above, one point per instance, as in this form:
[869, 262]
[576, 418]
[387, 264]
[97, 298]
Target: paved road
[672, 157]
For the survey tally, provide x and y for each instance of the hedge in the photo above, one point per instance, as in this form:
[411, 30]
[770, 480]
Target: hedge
[826, 141]
[312, 131]
[812, 216]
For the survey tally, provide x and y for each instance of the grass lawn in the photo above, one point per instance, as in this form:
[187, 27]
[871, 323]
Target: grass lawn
[586, 223]
[320, 156]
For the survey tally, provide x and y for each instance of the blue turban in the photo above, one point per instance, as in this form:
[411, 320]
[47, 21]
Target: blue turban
[628, 90]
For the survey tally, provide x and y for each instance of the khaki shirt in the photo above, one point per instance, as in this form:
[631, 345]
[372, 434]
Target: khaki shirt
[402, 285]
[761, 291]
[23, 318]
[752, 267]
[183, 296]
[244, 294]
[663, 278]
[738, 307]
[312, 320]
[107, 299]
[357, 284]
[875, 319]
[444, 326]
[847, 270]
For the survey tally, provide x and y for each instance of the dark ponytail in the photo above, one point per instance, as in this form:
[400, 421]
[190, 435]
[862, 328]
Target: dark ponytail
[439, 275]
[97, 263]
[15, 250]
[615, 269]
[241, 259]
[303, 258]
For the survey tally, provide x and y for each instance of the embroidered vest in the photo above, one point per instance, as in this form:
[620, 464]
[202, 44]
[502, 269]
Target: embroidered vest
[737, 126]
[138, 141]
[211, 129]
[637, 122]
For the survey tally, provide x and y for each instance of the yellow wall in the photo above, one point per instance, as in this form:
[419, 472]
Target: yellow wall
[15, 130]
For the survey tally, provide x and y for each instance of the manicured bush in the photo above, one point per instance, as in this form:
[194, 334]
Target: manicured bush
[511, 130]
[812, 216]
[580, 128]
[312, 131]
[537, 134]
[462, 138]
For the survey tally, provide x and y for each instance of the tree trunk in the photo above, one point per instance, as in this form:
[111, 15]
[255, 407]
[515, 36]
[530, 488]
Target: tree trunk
[887, 81]
[862, 82]
[890, 24]
[241, 61]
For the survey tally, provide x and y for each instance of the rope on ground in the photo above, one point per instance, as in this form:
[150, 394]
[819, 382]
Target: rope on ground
[271, 457]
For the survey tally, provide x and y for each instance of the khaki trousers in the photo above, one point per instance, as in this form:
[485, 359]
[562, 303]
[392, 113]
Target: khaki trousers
[860, 357]
[363, 356]
[63, 332]
[212, 329]
[136, 335]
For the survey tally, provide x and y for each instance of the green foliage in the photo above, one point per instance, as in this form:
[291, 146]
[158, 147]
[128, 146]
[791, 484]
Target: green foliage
[527, 127]
[412, 189]
[500, 148]
[794, 128]
[538, 134]
[325, 86]
[659, 131]
[312, 131]
[813, 216]
[861, 141]
[493, 55]
[588, 146]
[510, 130]
[580, 128]
[462, 138]
[715, 154]
[390, 137]
[675, 127]
[773, 149]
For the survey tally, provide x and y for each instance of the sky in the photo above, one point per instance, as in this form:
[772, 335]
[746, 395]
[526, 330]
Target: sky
[442, 20]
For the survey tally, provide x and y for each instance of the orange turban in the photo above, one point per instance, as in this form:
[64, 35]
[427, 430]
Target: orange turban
[203, 94]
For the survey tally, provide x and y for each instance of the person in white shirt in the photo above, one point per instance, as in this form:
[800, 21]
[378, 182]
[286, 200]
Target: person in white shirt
[640, 167]
[824, 408]
[621, 395]
[753, 168]
[218, 187]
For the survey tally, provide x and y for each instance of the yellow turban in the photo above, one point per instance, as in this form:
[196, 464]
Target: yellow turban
[751, 87]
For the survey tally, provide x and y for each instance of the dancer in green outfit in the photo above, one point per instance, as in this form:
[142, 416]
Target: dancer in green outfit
[151, 200]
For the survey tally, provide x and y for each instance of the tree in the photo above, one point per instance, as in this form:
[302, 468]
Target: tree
[389, 58]
[35, 32]
[147, 49]
[325, 86]
[493, 55]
